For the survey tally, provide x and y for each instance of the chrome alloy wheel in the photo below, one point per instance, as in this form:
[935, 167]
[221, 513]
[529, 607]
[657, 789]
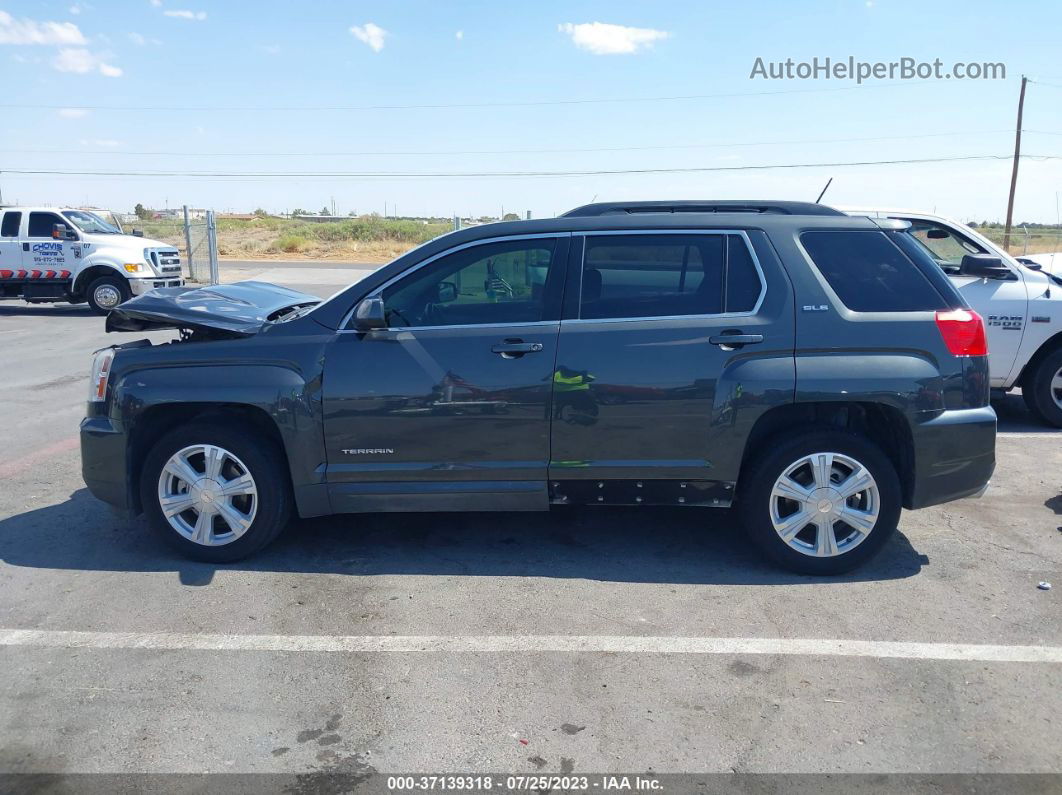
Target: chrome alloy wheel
[825, 504]
[107, 296]
[207, 495]
[1056, 388]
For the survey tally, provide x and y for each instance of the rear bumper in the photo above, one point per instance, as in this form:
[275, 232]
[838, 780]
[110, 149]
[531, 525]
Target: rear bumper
[103, 462]
[954, 456]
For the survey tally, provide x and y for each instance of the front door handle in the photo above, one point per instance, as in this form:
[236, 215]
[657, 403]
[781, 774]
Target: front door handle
[735, 339]
[511, 349]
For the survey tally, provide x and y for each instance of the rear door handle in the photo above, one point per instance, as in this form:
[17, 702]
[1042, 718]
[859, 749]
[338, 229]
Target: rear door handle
[516, 348]
[735, 339]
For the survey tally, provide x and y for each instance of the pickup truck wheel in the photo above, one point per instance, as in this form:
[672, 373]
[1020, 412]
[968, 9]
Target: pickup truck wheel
[216, 493]
[106, 292]
[1042, 390]
[820, 502]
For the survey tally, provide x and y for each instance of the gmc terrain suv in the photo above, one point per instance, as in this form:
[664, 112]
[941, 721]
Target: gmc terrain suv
[815, 370]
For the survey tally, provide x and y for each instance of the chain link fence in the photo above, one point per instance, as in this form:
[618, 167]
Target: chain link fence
[201, 246]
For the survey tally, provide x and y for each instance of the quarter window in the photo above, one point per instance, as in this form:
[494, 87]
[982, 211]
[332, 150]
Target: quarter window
[665, 275]
[869, 273]
[11, 224]
[493, 283]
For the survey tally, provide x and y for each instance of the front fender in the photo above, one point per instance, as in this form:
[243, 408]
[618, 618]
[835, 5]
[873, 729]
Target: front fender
[291, 403]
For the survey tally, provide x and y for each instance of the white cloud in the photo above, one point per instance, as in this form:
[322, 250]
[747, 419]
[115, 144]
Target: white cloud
[156, 3]
[371, 34]
[29, 31]
[73, 113]
[271, 49]
[106, 143]
[137, 39]
[75, 9]
[601, 38]
[183, 13]
[82, 61]
[459, 35]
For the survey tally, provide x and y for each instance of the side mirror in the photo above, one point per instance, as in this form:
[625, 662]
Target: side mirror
[447, 292]
[138, 233]
[1031, 264]
[370, 314]
[60, 232]
[937, 234]
[983, 265]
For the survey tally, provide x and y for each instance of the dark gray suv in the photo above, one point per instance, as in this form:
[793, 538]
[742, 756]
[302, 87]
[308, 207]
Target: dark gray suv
[817, 371]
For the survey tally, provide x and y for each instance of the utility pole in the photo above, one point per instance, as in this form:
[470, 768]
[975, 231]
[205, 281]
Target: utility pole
[1014, 170]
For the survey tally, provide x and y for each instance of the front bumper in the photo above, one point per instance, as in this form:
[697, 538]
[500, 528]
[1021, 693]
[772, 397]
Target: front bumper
[141, 286]
[104, 462]
[954, 456]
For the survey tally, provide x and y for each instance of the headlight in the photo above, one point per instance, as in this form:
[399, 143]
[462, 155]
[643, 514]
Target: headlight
[101, 372]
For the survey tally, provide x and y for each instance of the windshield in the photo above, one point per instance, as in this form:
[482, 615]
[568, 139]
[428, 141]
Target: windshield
[91, 223]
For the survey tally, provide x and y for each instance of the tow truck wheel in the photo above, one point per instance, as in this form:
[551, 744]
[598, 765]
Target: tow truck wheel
[217, 491]
[820, 501]
[1042, 389]
[106, 292]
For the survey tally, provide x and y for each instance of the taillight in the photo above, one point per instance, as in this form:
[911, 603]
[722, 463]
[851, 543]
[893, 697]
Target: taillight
[101, 371]
[963, 331]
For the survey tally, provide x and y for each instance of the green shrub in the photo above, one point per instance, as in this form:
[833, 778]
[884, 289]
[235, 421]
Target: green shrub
[291, 244]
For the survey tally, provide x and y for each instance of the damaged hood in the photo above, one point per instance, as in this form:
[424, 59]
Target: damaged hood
[239, 308]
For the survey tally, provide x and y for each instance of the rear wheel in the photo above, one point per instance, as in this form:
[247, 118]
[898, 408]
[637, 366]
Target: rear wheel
[1042, 389]
[106, 292]
[216, 493]
[820, 502]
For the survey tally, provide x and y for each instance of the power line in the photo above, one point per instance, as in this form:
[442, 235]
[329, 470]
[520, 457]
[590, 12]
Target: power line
[735, 144]
[464, 105]
[515, 174]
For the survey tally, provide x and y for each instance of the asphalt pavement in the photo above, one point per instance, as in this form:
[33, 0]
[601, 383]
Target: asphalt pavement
[584, 640]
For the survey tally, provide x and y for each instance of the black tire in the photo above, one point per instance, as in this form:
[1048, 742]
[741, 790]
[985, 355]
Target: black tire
[1037, 392]
[117, 282]
[757, 484]
[263, 460]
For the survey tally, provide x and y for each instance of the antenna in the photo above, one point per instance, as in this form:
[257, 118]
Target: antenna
[828, 183]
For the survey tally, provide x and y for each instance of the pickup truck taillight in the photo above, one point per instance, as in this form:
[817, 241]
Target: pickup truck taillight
[963, 331]
[101, 371]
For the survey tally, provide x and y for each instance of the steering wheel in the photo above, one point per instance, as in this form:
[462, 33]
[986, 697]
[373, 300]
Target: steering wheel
[432, 315]
[398, 313]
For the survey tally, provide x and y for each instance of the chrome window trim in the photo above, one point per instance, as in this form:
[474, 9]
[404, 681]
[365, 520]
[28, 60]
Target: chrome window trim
[740, 232]
[446, 252]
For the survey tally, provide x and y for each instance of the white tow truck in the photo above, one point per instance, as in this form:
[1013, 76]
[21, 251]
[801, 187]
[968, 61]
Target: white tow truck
[51, 254]
[1020, 302]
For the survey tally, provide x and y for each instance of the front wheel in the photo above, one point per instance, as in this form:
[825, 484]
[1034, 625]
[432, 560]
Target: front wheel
[106, 292]
[217, 493]
[1042, 389]
[820, 502]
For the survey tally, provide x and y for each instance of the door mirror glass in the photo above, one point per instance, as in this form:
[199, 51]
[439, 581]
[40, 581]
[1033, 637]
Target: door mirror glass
[937, 234]
[370, 315]
[60, 232]
[447, 293]
[983, 265]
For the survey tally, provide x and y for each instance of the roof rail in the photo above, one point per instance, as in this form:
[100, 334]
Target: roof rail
[692, 206]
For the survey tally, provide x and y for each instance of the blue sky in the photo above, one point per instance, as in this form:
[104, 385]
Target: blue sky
[199, 65]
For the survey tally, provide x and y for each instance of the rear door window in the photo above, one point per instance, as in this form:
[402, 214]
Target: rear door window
[666, 275]
[11, 223]
[870, 274]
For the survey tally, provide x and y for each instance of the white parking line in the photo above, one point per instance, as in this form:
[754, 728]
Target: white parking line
[1029, 435]
[629, 644]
